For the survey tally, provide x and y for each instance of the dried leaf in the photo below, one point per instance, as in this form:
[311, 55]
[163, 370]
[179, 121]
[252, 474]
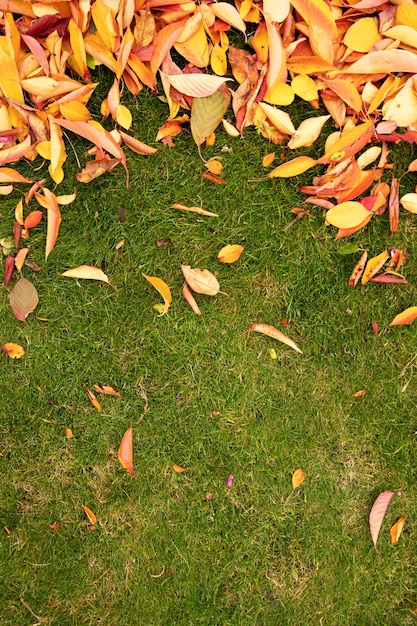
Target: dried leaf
[213, 178]
[406, 317]
[179, 469]
[161, 286]
[374, 265]
[106, 390]
[409, 202]
[193, 209]
[273, 332]
[230, 253]
[69, 433]
[96, 404]
[23, 298]
[298, 478]
[197, 85]
[190, 299]
[397, 529]
[268, 159]
[296, 166]
[125, 452]
[13, 350]
[201, 280]
[375, 328]
[358, 270]
[377, 514]
[90, 515]
[214, 166]
[89, 272]
[32, 219]
[20, 258]
[359, 393]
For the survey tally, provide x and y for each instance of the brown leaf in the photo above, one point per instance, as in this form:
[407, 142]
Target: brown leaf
[23, 298]
[271, 331]
[201, 280]
[213, 178]
[358, 270]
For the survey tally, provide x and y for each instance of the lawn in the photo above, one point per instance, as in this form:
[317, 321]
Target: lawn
[183, 548]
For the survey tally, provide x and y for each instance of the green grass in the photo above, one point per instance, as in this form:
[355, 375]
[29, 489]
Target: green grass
[182, 549]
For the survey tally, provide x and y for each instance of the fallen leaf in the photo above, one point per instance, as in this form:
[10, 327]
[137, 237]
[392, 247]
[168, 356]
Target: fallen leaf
[296, 166]
[230, 253]
[125, 452]
[213, 178]
[268, 159]
[96, 404]
[358, 270]
[406, 317]
[190, 299]
[193, 209]
[298, 478]
[68, 433]
[23, 298]
[89, 513]
[201, 280]
[178, 469]
[347, 214]
[375, 328]
[161, 286]
[13, 350]
[377, 514]
[359, 393]
[373, 266]
[106, 390]
[89, 272]
[397, 529]
[214, 166]
[273, 332]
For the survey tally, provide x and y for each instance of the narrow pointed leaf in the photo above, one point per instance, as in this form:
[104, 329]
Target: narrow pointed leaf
[271, 331]
[374, 265]
[193, 209]
[91, 516]
[358, 270]
[186, 292]
[125, 452]
[96, 404]
[377, 514]
[406, 317]
[23, 298]
[296, 166]
[161, 286]
[396, 530]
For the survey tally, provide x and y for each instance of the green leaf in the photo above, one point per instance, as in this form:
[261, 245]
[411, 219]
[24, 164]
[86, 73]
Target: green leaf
[348, 248]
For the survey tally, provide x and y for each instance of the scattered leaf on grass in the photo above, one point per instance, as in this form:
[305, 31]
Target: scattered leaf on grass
[373, 266]
[68, 433]
[89, 272]
[161, 286]
[268, 159]
[375, 328]
[406, 317]
[13, 350]
[106, 390]
[358, 270]
[377, 514]
[193, 209]
[23, 298]
[91, 516]
[190, 299]
[20, 258]
[230, 253]
[213, 178]
[178, 468]
[397, 529]
[96, 404]
[298, 478]
[201, 280]
[214, 166]
[359, 393]
[271, 331]
[125, 452]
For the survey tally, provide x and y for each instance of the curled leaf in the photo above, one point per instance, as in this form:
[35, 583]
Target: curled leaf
[161, 286]
[193, 209]
[89, 272]
[190, 299]
[201, 280]
[96, 404]
[271, 331]
[397, 529]
[377, 514]
[373, 266]
[358, 270]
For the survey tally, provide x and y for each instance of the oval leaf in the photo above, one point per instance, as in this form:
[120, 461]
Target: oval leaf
[230, 253]
[377, 514]
[201, 281]
[13, 350]
[196, 85]
[271, 331]
[406, 317]
[298, 477]
[296, 166]
[347, 215]
[90, 272]
[23, 298]
[206, 114]
[409, 202]
[161, 286]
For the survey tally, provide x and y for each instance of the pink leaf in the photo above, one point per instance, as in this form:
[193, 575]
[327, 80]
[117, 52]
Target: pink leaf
[377, 513]
[125, 452]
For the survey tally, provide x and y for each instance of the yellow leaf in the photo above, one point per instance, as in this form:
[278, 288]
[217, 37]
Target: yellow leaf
[229, 14]
[123, 116]
[280, 93]
[374, 265]
[90, 272]
[409, 202]
[218, 60]
[358, 270]
[268, 159]
[161, 286]
[298, 478]
[273, 332]
[231, 130]
[201, 280]
[280, 119]
[296, 166]
[96, 404]
[90, 515]
[362, 34]
[304, 87]
[396, 530]
[406, 317]
[74, 111]
[193, 209]
[307, 132]
[230, 253]
[346, 215]
[322, 26]
[214, 166]
[13, 350]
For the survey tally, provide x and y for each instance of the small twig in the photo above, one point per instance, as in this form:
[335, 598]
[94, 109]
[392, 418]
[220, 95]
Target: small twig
[143, 395]
[25, 604]
[406, 366]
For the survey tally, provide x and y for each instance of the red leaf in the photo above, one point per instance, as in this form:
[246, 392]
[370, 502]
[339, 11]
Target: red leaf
[23, 298]
[377, 513]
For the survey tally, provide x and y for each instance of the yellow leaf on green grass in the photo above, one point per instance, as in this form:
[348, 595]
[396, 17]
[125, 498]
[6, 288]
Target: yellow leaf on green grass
[193, 209]
[89, 513]
[161, 286]
[89, 272]
[298, 478]
[230, 253]
[397, 529]
[409, 202]
[373, 266]
[346, 214]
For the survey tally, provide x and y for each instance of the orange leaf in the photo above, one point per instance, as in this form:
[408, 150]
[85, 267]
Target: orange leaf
[90, 515]
[359, 394]
[296, 166]
[33, 219]
[406, 317]
[214, 166]
[179, 469]
[190, 299]
[273, 332]
[96, 404]
[125, 452]
[377, 514]
[298, 477]
[13, 350]
[68, 433]
[106, 390]
[268, 159]
[230, 253]
[396, 530]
